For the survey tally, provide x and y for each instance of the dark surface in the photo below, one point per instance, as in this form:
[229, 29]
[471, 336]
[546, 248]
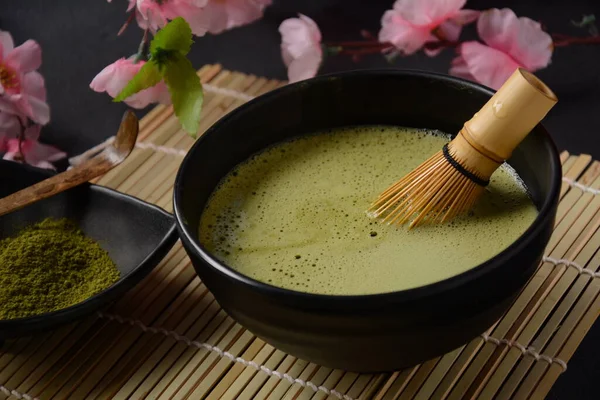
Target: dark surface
[392, 330]
[78, 40]
[136, 235]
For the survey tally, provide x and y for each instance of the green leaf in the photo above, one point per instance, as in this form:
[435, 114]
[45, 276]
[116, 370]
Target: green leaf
[585, 21]
[175, 36]
[186, 91]
[168, 50]
[148, 76]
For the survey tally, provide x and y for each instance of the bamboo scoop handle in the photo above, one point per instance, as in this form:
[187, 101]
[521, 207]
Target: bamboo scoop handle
[512, 112]
[92, 168]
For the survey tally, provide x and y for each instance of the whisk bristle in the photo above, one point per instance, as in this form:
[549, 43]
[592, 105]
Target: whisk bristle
[434, 192]
[450, 182]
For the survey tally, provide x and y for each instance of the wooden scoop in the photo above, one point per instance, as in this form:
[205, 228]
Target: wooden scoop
[109, 158]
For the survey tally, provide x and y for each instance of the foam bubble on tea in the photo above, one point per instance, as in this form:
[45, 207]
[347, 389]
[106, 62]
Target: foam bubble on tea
[294, 216]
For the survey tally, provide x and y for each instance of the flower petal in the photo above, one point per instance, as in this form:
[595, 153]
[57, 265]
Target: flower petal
[465, 17]
[9, 125]
[427, 12]
[130, 5]
[304, 67]
[406, 37]
[8, 106]
[45, 165]
[161, 94]
[243, 12]
[32, 132]
[33, 100]
[213, 18]
[34, 152]
[522, 38]
[151, 14]
[6, 44]
[217, 16]
[192, 10]
[498, 28]
[198, 21]
[299, 36]
[313, 29]
[113, 78]
[156, 94]
[8, 154]
[301, 47]
[461, 69]
[40, 111]
[26, 57]
[286, 56]
[432, 52]
[486, 65]
[449, 30]
[533, 48]
[100, 81]
[46, 152]
[143, 23]
[33, 85]
[12, 146]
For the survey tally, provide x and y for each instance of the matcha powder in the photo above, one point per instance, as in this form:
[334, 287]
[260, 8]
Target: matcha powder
[49, 266]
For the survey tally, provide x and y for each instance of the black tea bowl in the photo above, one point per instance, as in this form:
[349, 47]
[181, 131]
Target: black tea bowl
[379, 332]
[136, 235]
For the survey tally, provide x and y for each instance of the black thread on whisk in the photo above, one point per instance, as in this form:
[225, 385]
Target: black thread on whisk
[462, 169]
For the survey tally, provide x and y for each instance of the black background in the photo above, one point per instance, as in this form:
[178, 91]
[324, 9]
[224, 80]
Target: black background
[78, 38]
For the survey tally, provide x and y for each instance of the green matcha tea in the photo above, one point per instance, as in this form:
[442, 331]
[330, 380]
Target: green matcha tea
[295, 216]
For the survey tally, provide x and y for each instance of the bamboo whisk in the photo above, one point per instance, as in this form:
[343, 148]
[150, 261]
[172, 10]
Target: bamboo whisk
[450, 182]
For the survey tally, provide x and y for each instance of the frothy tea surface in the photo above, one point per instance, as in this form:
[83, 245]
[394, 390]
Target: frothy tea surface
[294, 216]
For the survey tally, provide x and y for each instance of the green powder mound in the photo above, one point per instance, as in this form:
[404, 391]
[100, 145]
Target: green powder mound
[50, 266]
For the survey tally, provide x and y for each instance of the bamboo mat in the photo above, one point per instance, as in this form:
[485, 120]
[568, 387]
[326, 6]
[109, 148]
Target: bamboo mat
[169, 339]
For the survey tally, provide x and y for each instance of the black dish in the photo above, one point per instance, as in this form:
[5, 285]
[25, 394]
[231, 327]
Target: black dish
[385, 331]
[137, 235]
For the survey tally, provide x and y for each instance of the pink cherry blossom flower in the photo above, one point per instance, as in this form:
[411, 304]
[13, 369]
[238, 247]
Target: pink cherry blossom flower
[301, 47]
[221, 15]
[113, 78]
[31, 151]
[153, 14]
[22, 89]
[412, 23]
[511, 43]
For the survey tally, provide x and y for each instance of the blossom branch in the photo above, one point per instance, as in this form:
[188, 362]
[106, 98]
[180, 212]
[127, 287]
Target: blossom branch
[564, 40]
[358, 43]
[130, 18]
[357, 50]
[369, 47]
[365, 47]
[141, 53]
[21, 156]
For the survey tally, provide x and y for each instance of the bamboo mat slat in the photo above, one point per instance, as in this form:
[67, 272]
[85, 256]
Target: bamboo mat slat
[169, 339]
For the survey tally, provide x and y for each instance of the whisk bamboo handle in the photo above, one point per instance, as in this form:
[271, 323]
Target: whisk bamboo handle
[512, 112]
